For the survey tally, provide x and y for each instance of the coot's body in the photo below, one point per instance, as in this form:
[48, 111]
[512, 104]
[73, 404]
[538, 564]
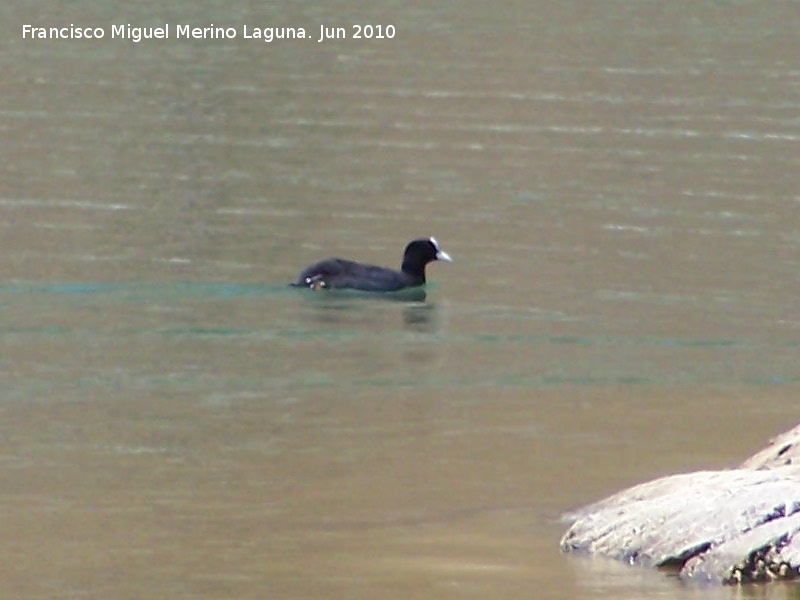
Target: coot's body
[337, 273]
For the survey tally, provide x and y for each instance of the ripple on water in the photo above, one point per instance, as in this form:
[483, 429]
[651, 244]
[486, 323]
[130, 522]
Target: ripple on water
[78, 204]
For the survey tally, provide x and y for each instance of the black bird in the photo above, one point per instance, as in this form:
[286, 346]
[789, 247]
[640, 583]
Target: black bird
[346, 274]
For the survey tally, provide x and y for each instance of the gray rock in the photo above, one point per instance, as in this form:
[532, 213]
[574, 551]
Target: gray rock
[734, 526]
[783, 451]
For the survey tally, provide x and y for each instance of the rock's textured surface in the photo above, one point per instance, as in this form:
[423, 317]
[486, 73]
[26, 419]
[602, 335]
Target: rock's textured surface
[735, 526]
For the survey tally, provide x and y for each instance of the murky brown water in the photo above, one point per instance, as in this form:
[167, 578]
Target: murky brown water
[616, 181]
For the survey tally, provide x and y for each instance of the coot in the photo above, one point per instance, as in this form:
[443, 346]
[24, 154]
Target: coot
[346, 274]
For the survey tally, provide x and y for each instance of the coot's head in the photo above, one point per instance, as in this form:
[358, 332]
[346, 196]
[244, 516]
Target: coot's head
[419, 253]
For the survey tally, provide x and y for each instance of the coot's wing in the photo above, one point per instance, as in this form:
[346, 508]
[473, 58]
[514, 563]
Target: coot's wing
[319, 272]
[372, 278]
[338, 273]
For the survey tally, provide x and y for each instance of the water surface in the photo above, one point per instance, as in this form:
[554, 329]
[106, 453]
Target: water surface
[616, 183]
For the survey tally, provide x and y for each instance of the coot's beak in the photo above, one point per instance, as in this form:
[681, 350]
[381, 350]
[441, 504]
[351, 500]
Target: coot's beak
[442, 255]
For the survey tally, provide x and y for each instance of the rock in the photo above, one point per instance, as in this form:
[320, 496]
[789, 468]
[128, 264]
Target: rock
[783, 451]
[769, 551]
[726, 527]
